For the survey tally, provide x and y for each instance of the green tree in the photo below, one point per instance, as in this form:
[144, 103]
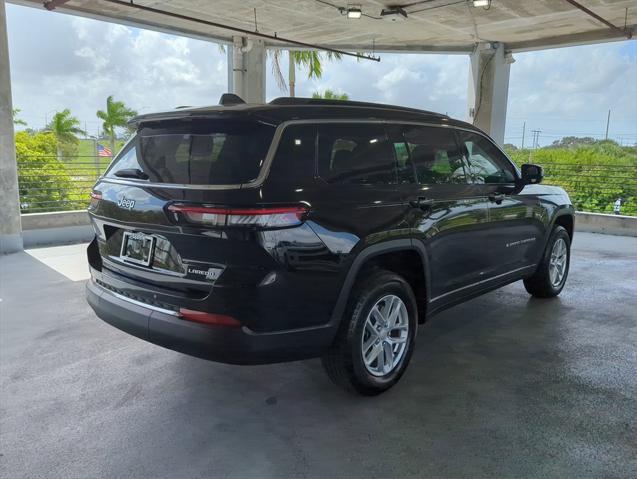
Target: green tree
[330, 95]
[65, 127]
[44, 182]
[116, 115]
[17, 121]
[573, 142]
[594, 174]
[310, 60]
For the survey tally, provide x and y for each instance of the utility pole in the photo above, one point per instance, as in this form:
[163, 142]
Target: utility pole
[523, 131]
[607, 122]
[536, 138]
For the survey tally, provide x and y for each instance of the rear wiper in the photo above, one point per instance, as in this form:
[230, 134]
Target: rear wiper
[131, 173]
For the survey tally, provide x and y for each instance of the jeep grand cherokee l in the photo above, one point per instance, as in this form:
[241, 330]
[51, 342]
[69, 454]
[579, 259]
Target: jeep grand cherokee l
[310, 228]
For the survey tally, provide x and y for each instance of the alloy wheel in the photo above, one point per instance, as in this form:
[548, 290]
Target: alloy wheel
[557, 262]
[385, 334]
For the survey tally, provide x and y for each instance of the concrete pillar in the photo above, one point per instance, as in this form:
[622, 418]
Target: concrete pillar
[10, 226]
[248, 66]
[489, 89]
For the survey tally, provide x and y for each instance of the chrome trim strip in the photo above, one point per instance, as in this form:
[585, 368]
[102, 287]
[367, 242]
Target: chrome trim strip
[480, 282]
[139, 303]
[146, 184]
[117, 262]
[265, 168]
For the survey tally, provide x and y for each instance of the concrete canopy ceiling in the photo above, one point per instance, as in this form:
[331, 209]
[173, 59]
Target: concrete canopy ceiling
[432, 25]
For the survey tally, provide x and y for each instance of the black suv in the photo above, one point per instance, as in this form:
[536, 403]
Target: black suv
[313, 228]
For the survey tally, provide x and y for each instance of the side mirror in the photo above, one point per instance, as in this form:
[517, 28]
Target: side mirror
[532, 174]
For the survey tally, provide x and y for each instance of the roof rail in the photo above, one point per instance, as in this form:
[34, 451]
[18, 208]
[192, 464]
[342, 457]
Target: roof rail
[286, 100]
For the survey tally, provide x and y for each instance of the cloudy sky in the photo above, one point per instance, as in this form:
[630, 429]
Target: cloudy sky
[60, 61]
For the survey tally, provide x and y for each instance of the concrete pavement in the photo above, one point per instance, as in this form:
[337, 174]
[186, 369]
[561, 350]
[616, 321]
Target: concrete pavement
[502, 386]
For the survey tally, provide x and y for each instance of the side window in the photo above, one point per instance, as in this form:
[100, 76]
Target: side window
[295, 154]
[404, 166]
[487, 164]
[435, 155]
[356, 154]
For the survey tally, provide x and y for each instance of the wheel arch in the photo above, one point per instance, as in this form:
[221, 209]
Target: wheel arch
[563, 216]
[378, 255]
[565, 219]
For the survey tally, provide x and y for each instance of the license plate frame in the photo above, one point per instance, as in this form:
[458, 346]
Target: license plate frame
[140, 245]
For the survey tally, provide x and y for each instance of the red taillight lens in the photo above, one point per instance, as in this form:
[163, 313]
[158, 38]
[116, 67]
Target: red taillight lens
[262, 217]
[96, 197]
[209, 318]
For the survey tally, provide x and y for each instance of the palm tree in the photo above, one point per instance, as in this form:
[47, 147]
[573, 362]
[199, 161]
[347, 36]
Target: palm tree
[17, 121]
[117, 115]
[65, 127]
[309, 59]
[330, 95]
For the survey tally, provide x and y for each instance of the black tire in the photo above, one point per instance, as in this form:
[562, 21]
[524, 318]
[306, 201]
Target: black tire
[344, 362]
[540, 284]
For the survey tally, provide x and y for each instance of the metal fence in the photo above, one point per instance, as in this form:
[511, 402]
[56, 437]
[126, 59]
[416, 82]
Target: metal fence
[49, 184]
[596, 188]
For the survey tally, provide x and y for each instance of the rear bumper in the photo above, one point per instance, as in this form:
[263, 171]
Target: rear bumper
[216, 343]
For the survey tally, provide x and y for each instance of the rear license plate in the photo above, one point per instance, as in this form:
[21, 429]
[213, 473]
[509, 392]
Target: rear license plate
[137, 248]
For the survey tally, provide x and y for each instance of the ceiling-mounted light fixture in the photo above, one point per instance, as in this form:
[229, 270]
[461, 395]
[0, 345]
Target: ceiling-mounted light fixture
[393, 13]
[354, 11]
[481, 3]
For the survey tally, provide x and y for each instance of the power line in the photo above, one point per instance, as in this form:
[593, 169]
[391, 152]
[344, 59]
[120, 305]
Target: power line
[536, 138]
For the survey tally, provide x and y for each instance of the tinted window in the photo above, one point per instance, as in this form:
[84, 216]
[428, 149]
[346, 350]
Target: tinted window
[359, 154]
[487, 164]
[295, 154]
[206, 153]
[435, 155]
[405, 167]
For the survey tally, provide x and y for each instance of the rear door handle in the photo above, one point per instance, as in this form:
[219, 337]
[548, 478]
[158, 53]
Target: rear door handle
[496, 197]
[422, 203]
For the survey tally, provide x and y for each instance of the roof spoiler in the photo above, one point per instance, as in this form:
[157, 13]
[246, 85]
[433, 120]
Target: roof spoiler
[229, 99]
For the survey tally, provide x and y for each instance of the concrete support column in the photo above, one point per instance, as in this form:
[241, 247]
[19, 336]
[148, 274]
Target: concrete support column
[248, 66]
[10, 226]
[489, 89]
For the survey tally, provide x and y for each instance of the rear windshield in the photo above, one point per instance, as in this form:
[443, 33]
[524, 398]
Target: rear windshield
[205, 153]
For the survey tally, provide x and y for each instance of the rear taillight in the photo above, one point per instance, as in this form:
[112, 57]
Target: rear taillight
[261, 217]
[96, 197]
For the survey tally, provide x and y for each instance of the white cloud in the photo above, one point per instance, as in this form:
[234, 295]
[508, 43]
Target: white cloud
[569, 91]
[432, 82]
[76, 63]
[85, 60]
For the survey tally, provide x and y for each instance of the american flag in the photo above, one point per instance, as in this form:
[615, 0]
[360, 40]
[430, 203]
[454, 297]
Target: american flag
[103, 150]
